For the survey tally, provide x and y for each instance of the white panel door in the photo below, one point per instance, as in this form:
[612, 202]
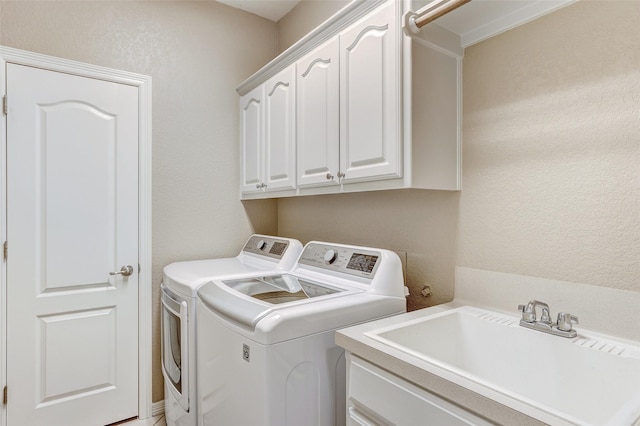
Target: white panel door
[318, 107]
[72, 218]
[280, 131]
[251, 140]
[370, 107]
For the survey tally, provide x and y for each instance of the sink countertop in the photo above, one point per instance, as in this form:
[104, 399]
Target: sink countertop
[354, 340]
[603, 310]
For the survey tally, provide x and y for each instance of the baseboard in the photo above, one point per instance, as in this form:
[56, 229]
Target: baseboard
[157, 408]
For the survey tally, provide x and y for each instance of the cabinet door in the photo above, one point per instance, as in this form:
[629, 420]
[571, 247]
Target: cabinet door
[280, 131]
[370, 106]
[251, 137]
[376, 394]
[318, 116]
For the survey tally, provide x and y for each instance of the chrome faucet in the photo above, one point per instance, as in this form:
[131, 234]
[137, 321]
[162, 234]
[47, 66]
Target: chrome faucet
[529, 312]
[562, 327]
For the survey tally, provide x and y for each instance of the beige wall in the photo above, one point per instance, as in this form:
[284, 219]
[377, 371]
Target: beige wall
[191, 49]
[551, 173]
[552, 148]
[306, 16]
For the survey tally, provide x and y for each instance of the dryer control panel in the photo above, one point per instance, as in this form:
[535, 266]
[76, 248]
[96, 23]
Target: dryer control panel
[356, 261]
[266, 246]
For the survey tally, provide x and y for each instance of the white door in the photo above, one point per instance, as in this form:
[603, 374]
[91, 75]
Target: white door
[280, 131]
[251, 137]
[370, 107]
[318, 107]
[72, 218]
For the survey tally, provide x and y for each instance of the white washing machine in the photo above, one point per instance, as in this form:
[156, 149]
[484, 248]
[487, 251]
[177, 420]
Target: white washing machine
[261, 254]
[266, 349]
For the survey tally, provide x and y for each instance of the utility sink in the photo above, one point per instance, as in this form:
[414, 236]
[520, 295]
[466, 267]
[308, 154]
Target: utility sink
[587, 380]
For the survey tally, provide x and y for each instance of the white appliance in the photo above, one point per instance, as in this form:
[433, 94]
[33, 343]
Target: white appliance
[266, 349]
[261, 254]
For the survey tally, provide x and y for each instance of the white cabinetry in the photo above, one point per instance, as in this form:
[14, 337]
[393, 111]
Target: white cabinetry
[353, 108]
[267, 120]
[251, 137]
[348, 105]
[370, 120]
[376, 397]
[318, 114]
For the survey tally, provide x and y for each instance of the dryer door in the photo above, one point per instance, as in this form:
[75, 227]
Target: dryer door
[175, 344]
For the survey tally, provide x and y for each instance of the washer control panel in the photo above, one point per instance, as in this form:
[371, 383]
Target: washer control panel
[266, 246]
[348, 260]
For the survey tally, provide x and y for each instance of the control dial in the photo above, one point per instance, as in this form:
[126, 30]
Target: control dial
[330, 256]
[262, 244]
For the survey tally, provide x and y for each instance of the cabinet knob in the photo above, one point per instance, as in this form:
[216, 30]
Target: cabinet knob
[340, 175]
[329, 176]
[258, 186]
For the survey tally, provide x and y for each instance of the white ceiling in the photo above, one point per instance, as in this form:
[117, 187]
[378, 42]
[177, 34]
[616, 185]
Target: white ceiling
[270, 9]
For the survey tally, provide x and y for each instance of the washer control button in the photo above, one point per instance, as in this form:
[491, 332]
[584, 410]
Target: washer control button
[262, 244]
[330, 256]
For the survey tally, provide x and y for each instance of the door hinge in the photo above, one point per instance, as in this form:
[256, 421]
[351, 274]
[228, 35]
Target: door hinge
[5, 106]
[5, 250]
[4, 396]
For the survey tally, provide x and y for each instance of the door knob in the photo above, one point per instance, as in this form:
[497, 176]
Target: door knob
[125, 271]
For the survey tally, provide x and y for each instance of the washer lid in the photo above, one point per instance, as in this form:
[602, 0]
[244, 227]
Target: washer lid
[258, 296]
[186, 277]
[260, 253]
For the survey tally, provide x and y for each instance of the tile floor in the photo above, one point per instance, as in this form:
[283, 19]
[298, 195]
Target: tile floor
[153, 421]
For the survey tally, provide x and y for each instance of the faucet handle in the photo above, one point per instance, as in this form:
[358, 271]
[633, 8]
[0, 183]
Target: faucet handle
[565, 321]
[528, 314]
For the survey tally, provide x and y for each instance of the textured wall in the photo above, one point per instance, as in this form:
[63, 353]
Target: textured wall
[306, 16]
[420, 223]
[551, 177]
[197, 53]
[551, 163]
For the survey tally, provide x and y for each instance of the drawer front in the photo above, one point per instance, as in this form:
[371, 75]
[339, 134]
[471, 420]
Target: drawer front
[376, 396]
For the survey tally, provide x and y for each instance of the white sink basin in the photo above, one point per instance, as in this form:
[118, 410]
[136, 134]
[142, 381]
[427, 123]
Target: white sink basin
[586, 380]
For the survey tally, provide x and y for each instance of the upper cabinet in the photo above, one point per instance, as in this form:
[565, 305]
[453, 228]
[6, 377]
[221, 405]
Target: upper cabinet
[348, 132]
[251, 140]
[318, 116]
[334, 112]
[268, 135]
[370, 123]
[362, 103]
[280, 131]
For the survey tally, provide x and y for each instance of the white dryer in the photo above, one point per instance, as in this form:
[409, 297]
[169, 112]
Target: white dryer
[266, 349]
[261, 254]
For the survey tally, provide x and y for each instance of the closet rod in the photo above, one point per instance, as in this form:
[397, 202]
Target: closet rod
[433, 11]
